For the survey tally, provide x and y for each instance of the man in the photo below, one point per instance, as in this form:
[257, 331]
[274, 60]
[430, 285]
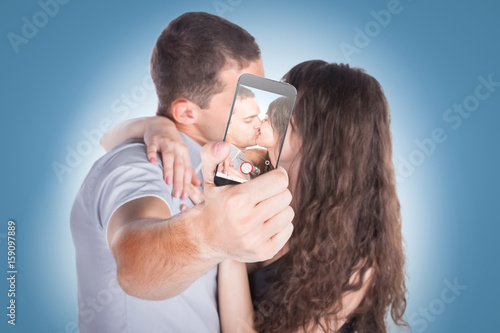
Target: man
[141, 265]
[245, 123]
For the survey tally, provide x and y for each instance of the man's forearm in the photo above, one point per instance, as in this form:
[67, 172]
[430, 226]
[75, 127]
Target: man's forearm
[159, 259]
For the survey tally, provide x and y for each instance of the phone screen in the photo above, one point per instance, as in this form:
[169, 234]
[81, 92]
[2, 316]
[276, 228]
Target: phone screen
[256, 129]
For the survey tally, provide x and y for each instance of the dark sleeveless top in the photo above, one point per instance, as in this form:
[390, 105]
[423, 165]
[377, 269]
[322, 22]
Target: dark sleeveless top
[261, 279]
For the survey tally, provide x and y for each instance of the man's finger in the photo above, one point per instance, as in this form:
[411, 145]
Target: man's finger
[278, 240]
[211, 155]
[278, 222]
[266, 209]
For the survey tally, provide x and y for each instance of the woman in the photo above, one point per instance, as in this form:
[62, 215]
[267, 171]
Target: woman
[272, 130]
[343, 267]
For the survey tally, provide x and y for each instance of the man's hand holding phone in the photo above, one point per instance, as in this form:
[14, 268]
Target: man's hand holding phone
[249, 222]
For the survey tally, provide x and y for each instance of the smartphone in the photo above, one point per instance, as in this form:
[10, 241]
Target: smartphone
[256, 128]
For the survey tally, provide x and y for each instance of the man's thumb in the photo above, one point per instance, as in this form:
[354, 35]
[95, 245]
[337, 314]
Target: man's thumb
[212, 154]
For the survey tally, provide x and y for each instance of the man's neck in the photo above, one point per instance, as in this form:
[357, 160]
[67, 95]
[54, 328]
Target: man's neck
[193, 133]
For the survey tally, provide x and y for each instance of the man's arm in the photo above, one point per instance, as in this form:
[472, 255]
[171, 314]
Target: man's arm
[159, 256]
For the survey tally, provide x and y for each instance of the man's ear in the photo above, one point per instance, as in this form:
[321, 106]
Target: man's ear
[184, 111]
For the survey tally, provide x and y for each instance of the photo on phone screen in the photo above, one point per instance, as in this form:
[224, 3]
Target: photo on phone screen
[256, 128]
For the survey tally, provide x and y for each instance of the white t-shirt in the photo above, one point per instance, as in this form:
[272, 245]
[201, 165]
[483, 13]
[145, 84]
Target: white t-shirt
[122, 175]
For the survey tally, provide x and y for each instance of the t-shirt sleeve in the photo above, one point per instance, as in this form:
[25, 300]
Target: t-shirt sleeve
[125, 175]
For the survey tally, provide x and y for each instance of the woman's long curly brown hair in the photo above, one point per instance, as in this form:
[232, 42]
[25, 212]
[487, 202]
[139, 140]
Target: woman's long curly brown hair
[346, 206]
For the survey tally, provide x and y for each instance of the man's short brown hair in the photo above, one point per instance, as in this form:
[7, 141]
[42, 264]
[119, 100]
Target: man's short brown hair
[189, 55]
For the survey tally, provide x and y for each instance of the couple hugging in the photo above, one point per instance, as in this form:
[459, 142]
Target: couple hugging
[314, 245]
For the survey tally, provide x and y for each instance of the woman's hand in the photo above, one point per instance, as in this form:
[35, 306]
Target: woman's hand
[196, 196]
[161, 136]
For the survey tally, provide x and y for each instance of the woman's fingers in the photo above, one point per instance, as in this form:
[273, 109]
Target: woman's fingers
[152, 150]
[188, 175]
[179, 170]
[196, 195]
[195, 181]
[162, 136]
[168, 166]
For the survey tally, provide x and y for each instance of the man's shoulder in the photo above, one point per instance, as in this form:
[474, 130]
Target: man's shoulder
[121, 175]
[129, 150]
[131, 153]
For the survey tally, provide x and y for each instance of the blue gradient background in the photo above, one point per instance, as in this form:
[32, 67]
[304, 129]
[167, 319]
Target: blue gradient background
[67, 77]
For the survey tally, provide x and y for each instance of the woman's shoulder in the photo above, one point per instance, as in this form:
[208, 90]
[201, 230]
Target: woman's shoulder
[255, 155]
